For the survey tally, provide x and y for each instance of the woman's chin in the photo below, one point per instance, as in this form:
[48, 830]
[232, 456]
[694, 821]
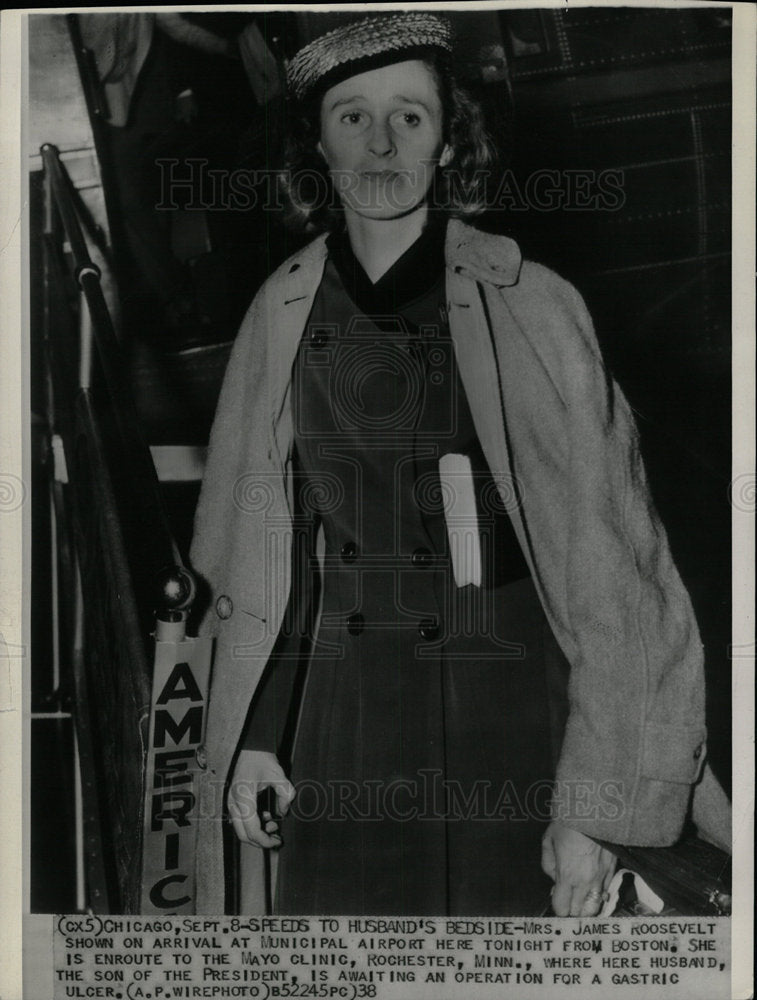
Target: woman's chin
[382, 213]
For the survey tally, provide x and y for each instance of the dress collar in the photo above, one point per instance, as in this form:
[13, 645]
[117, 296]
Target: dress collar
[411, 276]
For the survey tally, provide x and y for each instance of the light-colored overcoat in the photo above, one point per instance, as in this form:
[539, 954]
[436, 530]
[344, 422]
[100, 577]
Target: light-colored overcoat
[552, 424]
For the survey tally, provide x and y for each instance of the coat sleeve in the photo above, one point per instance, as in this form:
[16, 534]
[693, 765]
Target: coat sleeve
[637, 690]
[635, 736]
[227, 458]
[241, 435]
[273, 713]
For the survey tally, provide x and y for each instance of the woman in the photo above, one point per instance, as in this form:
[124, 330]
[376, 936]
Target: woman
[429, 415]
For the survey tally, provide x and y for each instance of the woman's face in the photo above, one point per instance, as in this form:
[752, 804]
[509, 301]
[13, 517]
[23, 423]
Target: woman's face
[381, 137]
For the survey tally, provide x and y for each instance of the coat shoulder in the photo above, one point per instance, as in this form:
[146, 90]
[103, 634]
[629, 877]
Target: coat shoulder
[486, 257]
[309, 255]
[550, 293]
[297, 269]
[497, 261]
[547, 310]
[553, 316]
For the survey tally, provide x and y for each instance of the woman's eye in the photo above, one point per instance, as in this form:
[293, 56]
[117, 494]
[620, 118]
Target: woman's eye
[410, 118]
[353, 117]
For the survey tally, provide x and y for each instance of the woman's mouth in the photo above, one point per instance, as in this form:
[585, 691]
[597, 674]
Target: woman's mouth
[378, 175]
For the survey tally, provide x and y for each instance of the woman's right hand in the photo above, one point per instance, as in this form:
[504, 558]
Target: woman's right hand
[255, 771]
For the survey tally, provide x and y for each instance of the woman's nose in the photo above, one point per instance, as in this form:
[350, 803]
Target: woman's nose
[381, 141]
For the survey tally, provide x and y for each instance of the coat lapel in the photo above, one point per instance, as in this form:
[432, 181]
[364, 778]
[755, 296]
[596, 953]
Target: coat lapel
[477, 363]
[472, 257]
[290, 306]
[477, 261]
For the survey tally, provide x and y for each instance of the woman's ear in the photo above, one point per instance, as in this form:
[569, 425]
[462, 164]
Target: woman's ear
[319, 150]
[447, 154]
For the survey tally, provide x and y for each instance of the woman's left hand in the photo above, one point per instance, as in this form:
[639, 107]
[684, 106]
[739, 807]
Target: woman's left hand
[581, 869]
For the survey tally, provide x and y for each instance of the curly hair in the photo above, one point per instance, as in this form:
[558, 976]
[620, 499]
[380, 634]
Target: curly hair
[459, 188]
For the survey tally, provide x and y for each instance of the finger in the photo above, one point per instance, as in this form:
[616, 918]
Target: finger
[238, 824]
[548, 862]
[248, 828]
[607, 881]
[561, 897]
[591, 903]
[238, 828]
[583, 900]
[612, 864]
[266, 834]
[269, 823]
[577, 897]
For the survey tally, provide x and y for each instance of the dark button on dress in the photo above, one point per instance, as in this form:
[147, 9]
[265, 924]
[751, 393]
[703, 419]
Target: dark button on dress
[422, 755]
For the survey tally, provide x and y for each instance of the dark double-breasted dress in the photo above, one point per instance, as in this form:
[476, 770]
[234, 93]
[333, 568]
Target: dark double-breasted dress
[423, 749]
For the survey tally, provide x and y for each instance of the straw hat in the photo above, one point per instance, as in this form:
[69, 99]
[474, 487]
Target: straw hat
[365, 44]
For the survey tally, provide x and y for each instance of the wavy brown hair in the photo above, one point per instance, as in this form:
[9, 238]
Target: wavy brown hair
[459, 188]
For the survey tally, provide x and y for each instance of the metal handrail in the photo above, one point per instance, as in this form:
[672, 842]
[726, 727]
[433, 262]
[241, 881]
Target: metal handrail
[130, 568]
[178, 586]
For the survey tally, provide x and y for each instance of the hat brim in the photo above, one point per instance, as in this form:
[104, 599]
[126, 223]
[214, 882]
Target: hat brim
[354, 67]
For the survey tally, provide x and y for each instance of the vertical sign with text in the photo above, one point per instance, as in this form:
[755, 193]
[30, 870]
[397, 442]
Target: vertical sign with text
[174, 756]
